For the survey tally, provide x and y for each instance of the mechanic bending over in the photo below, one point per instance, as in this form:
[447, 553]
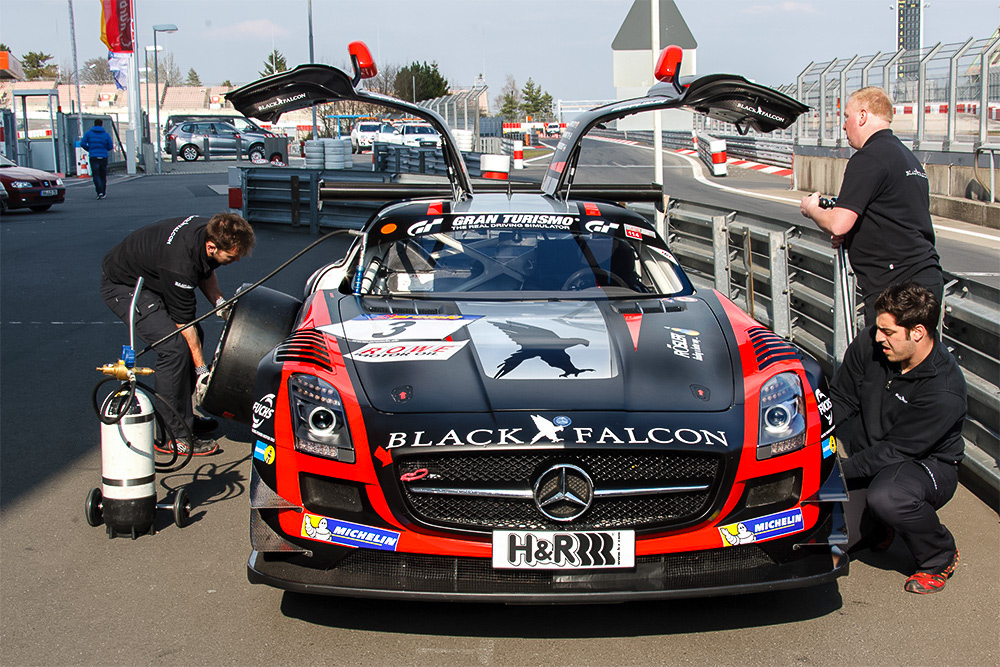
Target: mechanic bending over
[882, 213]
[174, 256]
[899, 401]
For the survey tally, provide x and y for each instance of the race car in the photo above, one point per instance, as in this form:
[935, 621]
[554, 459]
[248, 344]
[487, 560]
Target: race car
[515, 396]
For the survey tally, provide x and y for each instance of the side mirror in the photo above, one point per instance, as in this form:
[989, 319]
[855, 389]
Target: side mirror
[668, 65]
[361, 60]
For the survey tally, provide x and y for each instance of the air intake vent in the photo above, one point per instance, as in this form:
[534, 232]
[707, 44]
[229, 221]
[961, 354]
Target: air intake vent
[307, 346]
[771, 348]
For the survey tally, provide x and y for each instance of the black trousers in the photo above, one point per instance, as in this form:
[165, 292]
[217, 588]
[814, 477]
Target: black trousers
[931, 278]
[905, 497]
[99, 171]
[174, 377]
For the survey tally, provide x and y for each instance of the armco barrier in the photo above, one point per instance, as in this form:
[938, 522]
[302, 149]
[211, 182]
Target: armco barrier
[786, 276]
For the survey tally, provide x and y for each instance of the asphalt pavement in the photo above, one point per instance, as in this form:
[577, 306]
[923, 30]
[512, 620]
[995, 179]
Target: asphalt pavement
[71, 596]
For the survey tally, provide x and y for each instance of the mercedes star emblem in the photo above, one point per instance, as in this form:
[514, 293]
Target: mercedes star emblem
[563, 492]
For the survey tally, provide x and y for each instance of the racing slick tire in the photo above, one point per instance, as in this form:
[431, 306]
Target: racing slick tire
[260, 320]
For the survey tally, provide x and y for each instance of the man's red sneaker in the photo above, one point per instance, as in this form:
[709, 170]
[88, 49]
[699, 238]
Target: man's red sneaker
[923, 583]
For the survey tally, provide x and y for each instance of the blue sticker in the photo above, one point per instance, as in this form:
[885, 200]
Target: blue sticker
[763, 528]
[264, 452]
[325, 529]
[829, 447]
[562, 420]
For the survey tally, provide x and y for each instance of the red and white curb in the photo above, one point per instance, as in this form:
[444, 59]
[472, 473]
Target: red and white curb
[746, 164]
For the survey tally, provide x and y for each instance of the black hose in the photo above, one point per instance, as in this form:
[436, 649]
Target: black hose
[247, 290]
[122, 409]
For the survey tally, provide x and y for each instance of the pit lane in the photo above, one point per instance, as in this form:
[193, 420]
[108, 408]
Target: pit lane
[69, 595]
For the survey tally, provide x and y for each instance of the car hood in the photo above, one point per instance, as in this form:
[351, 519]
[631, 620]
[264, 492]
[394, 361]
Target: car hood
[655, 355]
[19, 173]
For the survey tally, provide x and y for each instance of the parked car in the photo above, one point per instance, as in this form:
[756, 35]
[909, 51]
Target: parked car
[389, 134]
[241, 123]
[190, 139]
[363, 135]
[420, 134]
[553, 129]
[501, 395]
[30, 188]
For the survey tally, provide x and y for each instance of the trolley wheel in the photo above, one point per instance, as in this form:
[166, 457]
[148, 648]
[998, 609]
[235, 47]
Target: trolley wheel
[182, 508]
[93, 509]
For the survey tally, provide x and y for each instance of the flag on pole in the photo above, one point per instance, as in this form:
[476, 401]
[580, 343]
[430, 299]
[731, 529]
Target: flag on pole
[116, 25]
[118, 64]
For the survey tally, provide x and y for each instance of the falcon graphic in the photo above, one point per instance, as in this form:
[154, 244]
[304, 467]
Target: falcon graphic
[546, 429]
[538, 342]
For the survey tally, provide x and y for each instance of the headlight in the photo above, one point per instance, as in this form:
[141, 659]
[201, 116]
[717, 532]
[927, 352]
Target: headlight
[59, 182]
[20, 185]
[782, 417]
[318, 419]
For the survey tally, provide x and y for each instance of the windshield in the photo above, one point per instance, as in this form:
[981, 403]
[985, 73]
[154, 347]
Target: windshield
[368, 127]
[4, 162]
[418, 129]
[511, 263]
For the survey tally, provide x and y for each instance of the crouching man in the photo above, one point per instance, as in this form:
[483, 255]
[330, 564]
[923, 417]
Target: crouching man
[899, 400]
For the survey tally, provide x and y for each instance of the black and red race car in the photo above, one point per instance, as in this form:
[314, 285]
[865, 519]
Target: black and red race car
[517, 396]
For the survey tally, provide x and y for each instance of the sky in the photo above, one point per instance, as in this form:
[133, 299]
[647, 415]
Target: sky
[563, 45]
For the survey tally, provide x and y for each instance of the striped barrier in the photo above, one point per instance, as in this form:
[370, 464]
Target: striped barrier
[712, 152]
[992, 112]
[495, 166]
[518, 155]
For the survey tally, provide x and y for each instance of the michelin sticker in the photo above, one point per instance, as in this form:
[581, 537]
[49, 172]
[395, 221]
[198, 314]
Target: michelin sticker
[385, 327]
[764, 528]
[325, 529]
[424, 350]
[264, 452]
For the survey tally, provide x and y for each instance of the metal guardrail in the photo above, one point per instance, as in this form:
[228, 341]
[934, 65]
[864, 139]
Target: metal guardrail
[786, 275]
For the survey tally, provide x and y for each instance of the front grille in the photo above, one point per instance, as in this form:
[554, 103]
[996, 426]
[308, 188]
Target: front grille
[770, 348]
[516, 472]
[306, 346]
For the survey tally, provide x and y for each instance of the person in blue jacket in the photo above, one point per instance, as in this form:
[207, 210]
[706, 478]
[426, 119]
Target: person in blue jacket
[97, 142]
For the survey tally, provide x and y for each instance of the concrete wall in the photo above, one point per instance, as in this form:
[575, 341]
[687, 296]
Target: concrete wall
[955, 192]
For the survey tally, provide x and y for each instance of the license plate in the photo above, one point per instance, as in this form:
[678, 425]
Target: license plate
[558, 550]
[48, 193]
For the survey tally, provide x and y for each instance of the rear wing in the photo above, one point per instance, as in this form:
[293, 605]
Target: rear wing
[308, 85]
[726, 97]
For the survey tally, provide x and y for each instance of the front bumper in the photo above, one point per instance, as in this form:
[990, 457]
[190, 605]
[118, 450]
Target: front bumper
[390, 575]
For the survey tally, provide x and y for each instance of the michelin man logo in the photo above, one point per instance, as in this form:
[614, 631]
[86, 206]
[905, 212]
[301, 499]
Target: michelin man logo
[738, 534]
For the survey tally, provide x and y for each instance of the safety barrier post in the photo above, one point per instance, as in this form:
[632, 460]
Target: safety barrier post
[314, 202]
[495, 166]
[843, 303]
[720, 251]
[208, 152]
[518, 155]
[712, 152]
[781, 306]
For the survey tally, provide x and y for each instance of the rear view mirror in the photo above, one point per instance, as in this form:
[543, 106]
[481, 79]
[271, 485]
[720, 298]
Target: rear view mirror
[361, 60]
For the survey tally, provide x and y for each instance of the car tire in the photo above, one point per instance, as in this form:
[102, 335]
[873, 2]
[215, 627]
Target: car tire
[259, 321]
[43, 207]
[256, 153]
[189, 152]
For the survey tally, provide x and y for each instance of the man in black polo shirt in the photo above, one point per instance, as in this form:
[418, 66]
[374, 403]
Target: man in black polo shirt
[882, 210]
[899, 401]
[175, 256]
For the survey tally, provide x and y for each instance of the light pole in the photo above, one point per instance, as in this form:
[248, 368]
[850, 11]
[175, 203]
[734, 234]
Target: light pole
[162, 27]
[146, 69]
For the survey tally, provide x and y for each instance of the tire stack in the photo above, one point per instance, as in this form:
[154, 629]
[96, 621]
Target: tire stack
[463, 140]
[337, 154]
[314, 154]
